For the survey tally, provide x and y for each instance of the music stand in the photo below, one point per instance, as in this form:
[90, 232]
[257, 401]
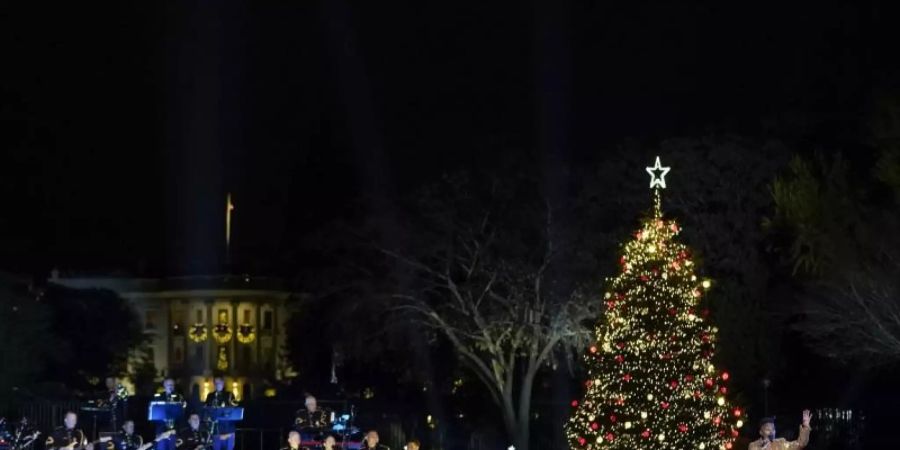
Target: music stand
[167, 412]
[224, 414]
[95, 411]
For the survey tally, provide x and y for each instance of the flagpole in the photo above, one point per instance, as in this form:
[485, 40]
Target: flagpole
[229, 207]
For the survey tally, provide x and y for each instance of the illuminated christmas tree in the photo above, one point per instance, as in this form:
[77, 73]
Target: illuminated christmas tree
[651, 380]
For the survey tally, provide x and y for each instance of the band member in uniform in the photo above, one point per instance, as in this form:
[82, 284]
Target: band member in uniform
[370, 442]
[220, 398]
[116, 397]
[328, 443]
[66, 435]
[126, 439]
[311, 421]
[193, 437]
[167, 395]
[23, 436]
[767, 440]
[293, 441]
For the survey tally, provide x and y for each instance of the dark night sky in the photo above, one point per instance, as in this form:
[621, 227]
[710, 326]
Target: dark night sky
[124, 125]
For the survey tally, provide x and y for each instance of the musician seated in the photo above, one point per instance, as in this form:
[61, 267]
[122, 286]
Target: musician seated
[311, 421]
[66, 436]
[192, 437]
[293, 441]
[126, 439]
[370, 442]
[23, 435]
[329, 443]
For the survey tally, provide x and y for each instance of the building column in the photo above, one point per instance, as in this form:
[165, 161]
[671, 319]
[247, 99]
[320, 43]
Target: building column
[232, 366]
[257, 356]
[212, 351]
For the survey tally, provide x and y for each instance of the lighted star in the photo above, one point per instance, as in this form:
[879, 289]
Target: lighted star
[658, 180]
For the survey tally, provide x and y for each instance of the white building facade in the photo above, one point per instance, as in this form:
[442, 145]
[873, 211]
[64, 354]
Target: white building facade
[205, 326]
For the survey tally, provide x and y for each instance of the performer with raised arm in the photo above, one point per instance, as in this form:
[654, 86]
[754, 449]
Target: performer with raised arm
[220, 398]
[768, 441]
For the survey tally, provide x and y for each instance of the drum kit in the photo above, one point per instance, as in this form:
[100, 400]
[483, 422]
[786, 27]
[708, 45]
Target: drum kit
[341, 428]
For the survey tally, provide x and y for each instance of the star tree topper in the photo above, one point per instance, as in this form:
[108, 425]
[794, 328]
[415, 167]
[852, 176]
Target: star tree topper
[660, 180]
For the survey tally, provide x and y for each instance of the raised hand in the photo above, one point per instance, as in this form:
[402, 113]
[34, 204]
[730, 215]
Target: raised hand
[806, 417]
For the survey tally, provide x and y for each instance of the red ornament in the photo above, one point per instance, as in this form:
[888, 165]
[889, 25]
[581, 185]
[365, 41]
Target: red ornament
[697, 394]
[665, 405]
[734, 433]
[620, 358]
[593, 349]
[673, 384]
[646, 434]
[612, 418]
[709, 382]
[622, 260]
[644, 278]
[620, 401]
[717, 420]
[725, 376]
[737, 412]
[594, 426]
[626, 377]
[728, 445]
[610, 304]
[574, 403]
[621, 345]
[581, 441]
[609, 437]
[688, 378]
[588, 383]
[682, 428]
[723, 390]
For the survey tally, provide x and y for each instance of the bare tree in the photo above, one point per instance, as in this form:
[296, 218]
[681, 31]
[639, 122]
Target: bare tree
[505, 310]
[858, 320]
[843, 246]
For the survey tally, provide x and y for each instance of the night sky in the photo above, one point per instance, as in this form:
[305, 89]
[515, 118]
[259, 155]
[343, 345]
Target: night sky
[125, 123]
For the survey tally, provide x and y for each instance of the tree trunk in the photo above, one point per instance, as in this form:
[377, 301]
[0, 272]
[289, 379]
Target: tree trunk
[522, 436]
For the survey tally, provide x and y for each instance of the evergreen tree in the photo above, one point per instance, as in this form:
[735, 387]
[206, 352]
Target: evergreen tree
[651, 380]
